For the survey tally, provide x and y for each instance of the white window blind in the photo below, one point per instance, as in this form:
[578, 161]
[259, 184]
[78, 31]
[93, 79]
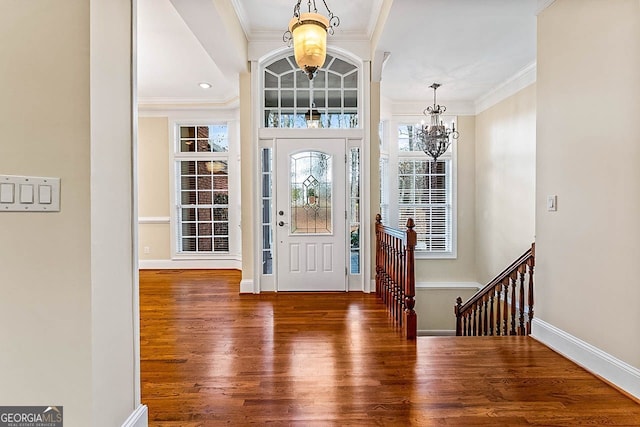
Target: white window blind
[424, 193]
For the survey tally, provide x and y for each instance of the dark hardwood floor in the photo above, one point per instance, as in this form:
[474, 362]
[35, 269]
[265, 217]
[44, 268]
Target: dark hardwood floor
[213, 357]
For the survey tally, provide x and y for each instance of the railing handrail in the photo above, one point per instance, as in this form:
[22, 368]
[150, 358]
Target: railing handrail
[507, 272]
[490, 311]
[395, 272]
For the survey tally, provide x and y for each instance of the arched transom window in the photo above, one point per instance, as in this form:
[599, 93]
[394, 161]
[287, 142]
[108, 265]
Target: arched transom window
[291, 100]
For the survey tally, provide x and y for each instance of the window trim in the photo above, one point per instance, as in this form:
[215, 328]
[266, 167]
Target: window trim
[175, 156]
[358, 70]
[391, 152]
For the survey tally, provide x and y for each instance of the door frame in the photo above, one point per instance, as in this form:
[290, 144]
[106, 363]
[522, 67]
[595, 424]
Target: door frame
[336, 214]
[354, 138]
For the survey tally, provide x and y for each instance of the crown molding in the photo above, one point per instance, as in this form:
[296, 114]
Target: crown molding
[542, 5]
[504, 90]
[376, 8]
[157, 104]
[242, 17]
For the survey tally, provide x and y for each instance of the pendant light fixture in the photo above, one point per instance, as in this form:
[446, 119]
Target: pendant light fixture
[308, 34]
[435, 136]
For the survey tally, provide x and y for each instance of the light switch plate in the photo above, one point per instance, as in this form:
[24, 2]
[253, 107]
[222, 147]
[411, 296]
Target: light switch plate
[552, 203]
[29, 194]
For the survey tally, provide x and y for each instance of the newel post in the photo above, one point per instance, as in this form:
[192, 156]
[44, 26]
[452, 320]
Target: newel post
[456, 309]
[378, 255]
[410, 284]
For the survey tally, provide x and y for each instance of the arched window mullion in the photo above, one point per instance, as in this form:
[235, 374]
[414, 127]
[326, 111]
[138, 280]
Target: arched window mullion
[327, 95]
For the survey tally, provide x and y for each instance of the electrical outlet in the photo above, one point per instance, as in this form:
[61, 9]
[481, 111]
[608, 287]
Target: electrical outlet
[147, 250]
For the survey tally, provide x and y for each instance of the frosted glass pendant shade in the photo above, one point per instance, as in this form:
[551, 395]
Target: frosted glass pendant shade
[309, 41]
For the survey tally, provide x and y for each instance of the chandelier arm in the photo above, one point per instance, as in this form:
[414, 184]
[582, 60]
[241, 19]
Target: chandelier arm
[334, 20]
[287, 37]
[326, 7]
[296, 10]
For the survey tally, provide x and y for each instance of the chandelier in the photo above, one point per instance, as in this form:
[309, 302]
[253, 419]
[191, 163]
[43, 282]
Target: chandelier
[308, 33]
[435, 137]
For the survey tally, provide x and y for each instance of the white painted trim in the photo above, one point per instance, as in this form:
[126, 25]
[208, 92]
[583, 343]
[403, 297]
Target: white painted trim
[509, 87]
[246, 287]
[154, 220]
[190, 264]
[242, 17]
[448, 285]
[151, 104]
[542, 5]
[135, 240]
[366, 238]
[138, 418]
[614, 370]
[436, 333]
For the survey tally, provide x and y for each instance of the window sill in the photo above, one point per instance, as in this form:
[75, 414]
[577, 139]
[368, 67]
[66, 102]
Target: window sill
[437, 255]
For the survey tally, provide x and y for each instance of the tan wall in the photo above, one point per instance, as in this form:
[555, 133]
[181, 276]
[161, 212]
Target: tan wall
[434, 307]
[462, 269]
[55, 335]
[157, 238]
[505, 182]
[153, 167]
[45, 259]
[153, 187]
[588, 154]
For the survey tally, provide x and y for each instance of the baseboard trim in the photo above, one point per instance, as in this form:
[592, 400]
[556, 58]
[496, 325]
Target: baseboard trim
[139, 417]
[611, 369]
[190, 264]
[437, 333]
[246, 287]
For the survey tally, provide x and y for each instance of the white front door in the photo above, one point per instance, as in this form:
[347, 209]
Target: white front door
[311, 215]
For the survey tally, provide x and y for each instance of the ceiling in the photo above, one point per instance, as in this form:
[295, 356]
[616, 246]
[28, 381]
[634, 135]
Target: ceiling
[469, 46]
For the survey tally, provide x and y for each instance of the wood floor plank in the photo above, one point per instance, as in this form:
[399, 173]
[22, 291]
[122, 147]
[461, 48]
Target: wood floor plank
[210, 356]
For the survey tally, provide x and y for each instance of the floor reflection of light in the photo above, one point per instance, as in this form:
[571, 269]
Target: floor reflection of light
[313, 374]
[354, 323]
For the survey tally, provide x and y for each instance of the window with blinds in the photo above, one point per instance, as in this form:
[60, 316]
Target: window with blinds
[424, 193]
[202, 178]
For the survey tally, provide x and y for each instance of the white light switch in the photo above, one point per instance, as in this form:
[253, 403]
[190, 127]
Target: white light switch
[552, 203]
[26, 193]
[7, 193]
[44, 194]
[29, 194]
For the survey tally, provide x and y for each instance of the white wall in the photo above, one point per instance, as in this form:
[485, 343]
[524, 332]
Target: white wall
[66, 312]
[505, 182]
[588, 154]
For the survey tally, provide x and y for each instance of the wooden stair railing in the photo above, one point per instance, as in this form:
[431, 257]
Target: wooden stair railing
[499, 307]
[395, 273]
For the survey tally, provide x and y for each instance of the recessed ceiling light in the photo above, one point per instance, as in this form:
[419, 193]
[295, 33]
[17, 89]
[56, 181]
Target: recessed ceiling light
[205, 85]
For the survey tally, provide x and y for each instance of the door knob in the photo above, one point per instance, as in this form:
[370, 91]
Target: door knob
[281, 223]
